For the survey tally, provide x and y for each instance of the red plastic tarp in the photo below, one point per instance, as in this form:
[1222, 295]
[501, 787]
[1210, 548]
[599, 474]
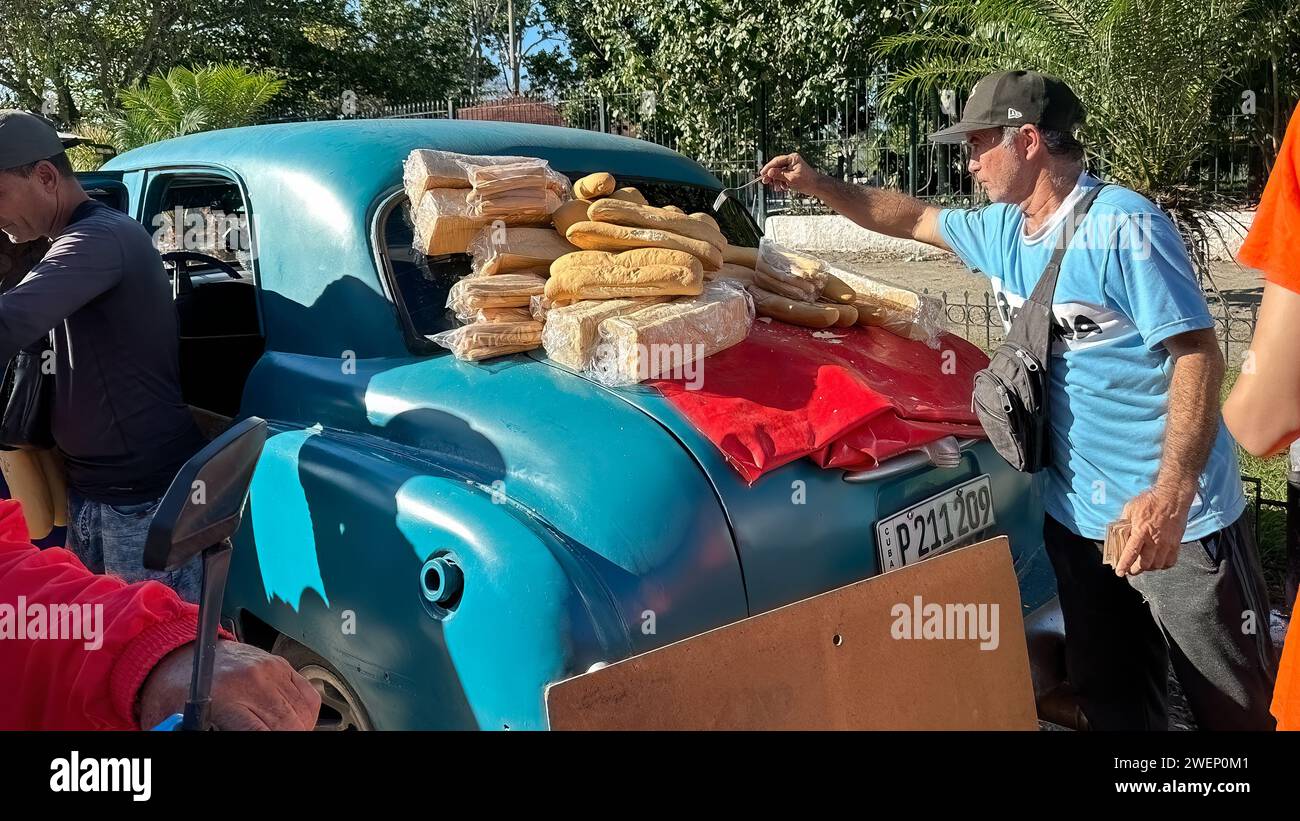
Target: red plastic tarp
[849, 402]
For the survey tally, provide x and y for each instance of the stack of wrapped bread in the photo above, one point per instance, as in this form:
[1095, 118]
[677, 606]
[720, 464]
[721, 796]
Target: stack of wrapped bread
[551, 271]
[454, 196]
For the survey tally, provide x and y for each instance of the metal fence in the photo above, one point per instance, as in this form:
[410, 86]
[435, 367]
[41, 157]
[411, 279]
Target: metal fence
[975, 318]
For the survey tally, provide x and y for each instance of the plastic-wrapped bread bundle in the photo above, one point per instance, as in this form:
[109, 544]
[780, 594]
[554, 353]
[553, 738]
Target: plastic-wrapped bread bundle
[516, 193]
[484, 340]
[898, 310]
[668, 340]
[473, 294]
[501, 249]
[426, 168]
[572, 331]
[444, 223]
[639, 272]
[789, 273]
[504, 314]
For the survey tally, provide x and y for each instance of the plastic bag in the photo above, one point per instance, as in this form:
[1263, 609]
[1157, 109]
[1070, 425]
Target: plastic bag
[573, 331]
[426, 168]
[484, 340]
[472, 294]
[789, 273]
[516, 193]
[444, 223]
[499, 249]
[900, 311]
[670, 340]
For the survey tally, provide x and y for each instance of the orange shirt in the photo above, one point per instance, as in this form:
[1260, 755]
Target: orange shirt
[1273, 246]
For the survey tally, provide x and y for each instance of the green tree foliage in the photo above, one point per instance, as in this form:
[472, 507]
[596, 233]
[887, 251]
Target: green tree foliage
[1148, 72]
[183, 102]
[83, 51]
[706, 59]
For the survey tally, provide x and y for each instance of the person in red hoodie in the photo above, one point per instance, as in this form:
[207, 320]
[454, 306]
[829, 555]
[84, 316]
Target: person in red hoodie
[131, 668]
[1263, 410]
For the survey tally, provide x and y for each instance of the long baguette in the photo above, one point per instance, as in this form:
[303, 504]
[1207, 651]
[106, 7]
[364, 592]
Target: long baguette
[604, 236]
[620, 212]
[793, 311]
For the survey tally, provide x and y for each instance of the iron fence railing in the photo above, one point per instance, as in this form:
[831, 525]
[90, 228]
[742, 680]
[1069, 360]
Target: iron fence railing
[975, 318]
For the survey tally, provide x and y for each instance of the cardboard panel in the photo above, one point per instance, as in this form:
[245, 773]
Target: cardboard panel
[839, 660]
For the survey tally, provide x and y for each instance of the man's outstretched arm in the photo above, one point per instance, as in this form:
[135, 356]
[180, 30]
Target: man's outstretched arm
[876, 209]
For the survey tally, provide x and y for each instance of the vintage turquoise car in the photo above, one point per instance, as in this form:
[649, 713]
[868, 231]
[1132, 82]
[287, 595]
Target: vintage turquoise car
[430, 541]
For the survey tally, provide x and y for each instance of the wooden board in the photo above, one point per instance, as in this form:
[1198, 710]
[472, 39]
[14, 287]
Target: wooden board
[833, 662]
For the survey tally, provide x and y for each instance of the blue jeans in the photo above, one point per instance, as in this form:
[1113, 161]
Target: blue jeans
[110, 539]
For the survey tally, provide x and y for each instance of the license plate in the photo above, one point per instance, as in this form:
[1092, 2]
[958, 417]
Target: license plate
[927, 528]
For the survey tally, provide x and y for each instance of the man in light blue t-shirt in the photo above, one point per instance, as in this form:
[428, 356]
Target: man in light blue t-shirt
[1134, 410]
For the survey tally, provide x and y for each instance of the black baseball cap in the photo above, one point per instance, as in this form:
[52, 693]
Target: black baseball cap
[26, 138]
[1013, 98]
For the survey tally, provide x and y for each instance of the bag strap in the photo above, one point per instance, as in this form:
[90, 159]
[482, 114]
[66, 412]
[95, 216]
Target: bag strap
[1045, 291]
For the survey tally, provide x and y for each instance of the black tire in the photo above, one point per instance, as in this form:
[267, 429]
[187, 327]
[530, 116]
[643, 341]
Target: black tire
[340, 707]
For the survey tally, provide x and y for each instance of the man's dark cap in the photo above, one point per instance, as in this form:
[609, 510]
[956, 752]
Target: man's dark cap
[1013, 98]
[26, 138]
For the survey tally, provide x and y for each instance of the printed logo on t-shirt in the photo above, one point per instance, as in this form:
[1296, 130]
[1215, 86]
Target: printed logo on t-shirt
[1079, 325]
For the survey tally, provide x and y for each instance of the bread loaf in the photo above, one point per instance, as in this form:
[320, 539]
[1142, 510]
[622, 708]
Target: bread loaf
[848, 315]
[836, 291]
[639, 272]
[633, 215]
[484, 340]
[571, 332]
[473, 294]
[708, 219]
[444, 223]
[604, 236]
[740, 255]
[504, 314]
[502, 249]
[26, 480]
[793, 311]
[660, 340]
[790, 287]
[629, 195]
[593, 186]
[569, 213]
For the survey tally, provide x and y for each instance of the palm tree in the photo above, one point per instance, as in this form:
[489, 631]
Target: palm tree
[1146, 71]
[184, 101]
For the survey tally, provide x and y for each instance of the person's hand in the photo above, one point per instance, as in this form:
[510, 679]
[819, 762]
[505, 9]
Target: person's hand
[251, 690]
[791, 172]
[1158, 520]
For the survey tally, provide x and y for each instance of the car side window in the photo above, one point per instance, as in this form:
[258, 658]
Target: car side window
[420, 283]
[204, 215]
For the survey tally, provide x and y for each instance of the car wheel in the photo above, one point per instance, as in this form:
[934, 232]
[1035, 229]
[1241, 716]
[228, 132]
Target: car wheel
[340, 706]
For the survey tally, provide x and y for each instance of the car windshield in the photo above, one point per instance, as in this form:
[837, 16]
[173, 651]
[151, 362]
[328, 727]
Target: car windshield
[421, 283]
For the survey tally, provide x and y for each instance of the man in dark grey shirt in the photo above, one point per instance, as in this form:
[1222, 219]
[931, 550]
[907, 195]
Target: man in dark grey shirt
[117, 415]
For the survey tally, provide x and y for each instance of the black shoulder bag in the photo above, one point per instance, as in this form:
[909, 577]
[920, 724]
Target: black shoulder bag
[27, 394]
[1010, 396]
